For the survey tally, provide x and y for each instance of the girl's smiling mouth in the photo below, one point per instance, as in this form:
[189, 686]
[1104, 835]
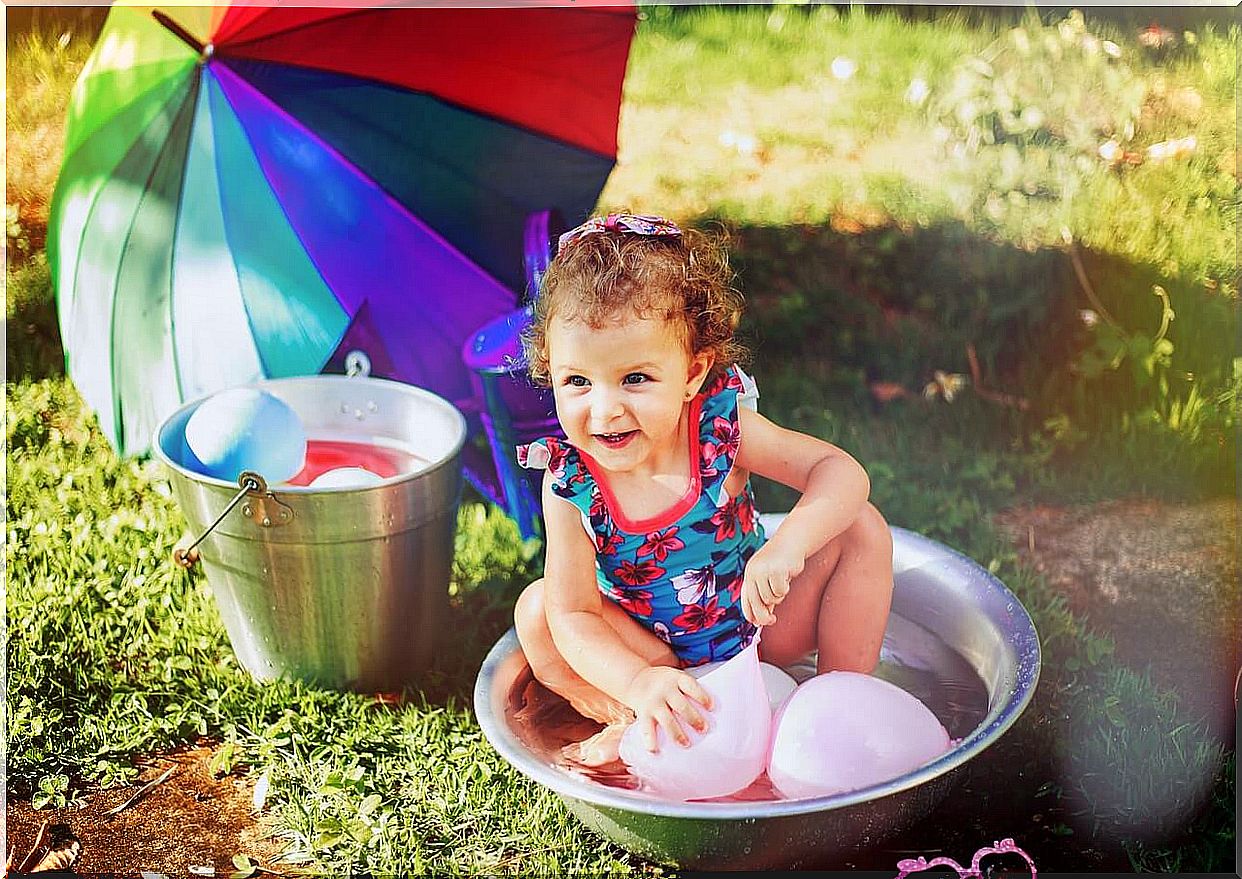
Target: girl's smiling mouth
[616, 440]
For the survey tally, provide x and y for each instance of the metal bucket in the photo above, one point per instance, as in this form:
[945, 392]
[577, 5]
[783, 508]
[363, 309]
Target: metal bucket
[343, 587]
[937, 591]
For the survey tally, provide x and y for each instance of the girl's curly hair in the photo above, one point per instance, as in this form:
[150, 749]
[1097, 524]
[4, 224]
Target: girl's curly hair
[685, 278]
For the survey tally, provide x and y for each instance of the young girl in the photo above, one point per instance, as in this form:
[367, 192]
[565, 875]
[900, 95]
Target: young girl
[655, 558]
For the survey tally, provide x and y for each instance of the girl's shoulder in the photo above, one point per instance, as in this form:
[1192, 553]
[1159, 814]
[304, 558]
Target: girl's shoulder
[570, 477]
[720, 430]
[547, 453]
[729, 389]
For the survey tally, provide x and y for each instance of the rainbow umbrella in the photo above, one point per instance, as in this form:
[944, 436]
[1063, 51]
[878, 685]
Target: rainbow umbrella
[252, 192]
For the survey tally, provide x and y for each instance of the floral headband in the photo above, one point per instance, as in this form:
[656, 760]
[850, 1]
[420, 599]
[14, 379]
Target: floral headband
[639, 224]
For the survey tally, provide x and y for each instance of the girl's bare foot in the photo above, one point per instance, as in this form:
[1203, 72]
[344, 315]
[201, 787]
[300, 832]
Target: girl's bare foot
[600, 749]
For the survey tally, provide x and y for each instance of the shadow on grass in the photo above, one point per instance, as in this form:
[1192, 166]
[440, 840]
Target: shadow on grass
[34, 351]
[837, 318]
[894, 304]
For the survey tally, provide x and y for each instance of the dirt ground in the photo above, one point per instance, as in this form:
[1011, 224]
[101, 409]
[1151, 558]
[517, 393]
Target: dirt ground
[1161, 579]
[192, 819]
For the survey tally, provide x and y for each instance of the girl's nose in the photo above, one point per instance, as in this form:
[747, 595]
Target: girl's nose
[605, 405]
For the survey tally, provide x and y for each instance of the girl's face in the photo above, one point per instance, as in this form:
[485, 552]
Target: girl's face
[620, 389]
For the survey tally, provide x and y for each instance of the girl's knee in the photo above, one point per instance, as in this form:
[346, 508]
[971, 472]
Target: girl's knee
[870, 531]
[529, 616]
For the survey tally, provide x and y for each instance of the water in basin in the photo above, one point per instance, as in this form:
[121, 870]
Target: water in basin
[912, 657]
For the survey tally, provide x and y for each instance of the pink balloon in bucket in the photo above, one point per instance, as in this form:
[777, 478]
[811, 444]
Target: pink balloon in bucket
[842, 731]
[726, 758]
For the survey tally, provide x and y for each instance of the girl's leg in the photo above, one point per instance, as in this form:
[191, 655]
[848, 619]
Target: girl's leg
[839, 603]
[551, 669]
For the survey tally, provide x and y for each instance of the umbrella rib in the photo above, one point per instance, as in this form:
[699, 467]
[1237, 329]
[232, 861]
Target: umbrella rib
[192, 99]
[219, 171]
[77, 264]
[71, 157]
[304, 25]
[178, 31]
[120, 421]
[452, 169]
[456, 105]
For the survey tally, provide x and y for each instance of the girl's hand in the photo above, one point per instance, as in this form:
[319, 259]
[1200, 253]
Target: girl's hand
[661, 697]
[766, 582]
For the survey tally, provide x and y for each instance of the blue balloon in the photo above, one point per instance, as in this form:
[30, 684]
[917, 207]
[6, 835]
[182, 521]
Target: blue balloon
[246, 429]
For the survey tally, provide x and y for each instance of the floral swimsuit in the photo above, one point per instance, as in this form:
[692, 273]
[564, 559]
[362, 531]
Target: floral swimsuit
[679, 574]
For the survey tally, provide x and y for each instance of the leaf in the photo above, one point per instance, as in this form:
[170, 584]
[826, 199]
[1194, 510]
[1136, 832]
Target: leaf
[360, 831]
[245, 867]
[221, 762]
[333, 783]
[328, 840]
[369, 804]
[59, 858]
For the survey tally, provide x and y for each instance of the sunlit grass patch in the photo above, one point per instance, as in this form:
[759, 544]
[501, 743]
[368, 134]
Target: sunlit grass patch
[41, 67]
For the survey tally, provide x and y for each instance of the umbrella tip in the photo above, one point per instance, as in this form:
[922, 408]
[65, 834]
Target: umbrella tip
[209, 49]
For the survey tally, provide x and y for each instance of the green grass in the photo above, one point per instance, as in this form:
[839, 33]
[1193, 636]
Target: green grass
[41, 67]
[867, 255]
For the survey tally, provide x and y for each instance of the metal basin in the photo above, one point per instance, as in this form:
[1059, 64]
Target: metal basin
[944, 605]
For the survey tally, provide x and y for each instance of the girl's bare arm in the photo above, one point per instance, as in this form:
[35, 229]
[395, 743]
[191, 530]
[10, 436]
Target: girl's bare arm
[574, 606]
[834, 486]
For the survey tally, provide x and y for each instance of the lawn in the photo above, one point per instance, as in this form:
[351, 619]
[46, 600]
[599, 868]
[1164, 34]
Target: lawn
[906, 195]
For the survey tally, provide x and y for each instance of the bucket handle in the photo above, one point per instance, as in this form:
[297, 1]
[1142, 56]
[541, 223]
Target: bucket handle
[251, 483]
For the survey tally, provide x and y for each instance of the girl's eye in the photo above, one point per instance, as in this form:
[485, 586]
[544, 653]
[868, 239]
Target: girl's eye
[577, 381]
[636, 378]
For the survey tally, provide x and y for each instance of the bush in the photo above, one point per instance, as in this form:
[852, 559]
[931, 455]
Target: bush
[1026, 117]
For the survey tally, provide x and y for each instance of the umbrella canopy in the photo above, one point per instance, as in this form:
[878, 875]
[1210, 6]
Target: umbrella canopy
[250, 192]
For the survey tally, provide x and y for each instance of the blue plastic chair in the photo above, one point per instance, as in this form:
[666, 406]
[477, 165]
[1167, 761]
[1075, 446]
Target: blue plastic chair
[511, 409]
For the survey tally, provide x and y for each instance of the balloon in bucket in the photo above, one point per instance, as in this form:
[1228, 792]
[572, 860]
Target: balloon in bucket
[726, 758]
[346, 477]
[246, 429]
[843, 731]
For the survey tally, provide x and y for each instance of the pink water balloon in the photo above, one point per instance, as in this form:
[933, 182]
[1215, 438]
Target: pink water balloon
[726, 758]
[842, 731]
[777, 682]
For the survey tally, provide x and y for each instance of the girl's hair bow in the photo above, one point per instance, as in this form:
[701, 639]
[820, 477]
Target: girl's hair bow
[639, 224]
